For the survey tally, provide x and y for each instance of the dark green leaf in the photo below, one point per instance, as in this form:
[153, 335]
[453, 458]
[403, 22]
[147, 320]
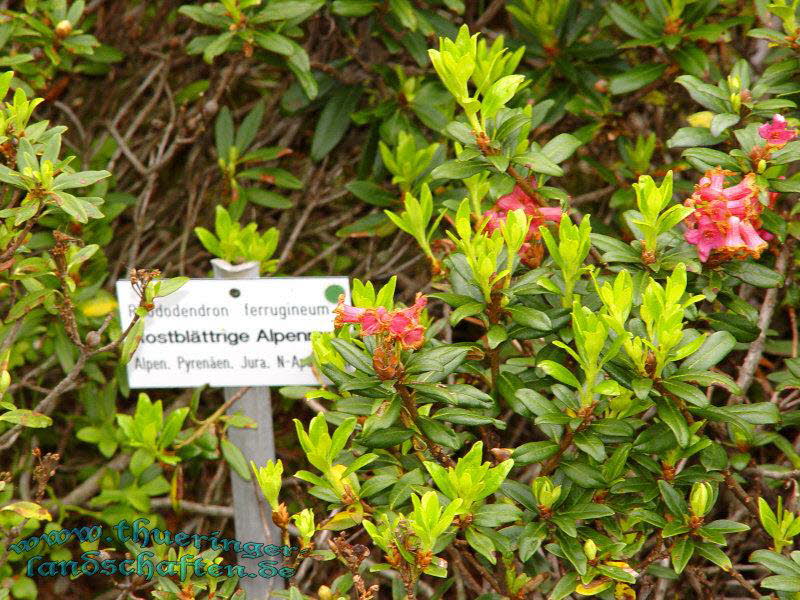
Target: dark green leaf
[436, 363]
[583, 475]
[673, 499]
[266, 198]
[714, 349]
[756, 413]
[670, 415]
[561, 147]
[693, 136]
[334, 120]
[632, 25]
[782, 583]
[530, 317]
[223, 132]
[708, 158]
[386, 438]
[741, 328]
[353, 356]
[681, 553]
[635, 78]
[371, 193]
[686, 392]
[438, 433]
[235, 459]
[274, 42]
[754, 274]
[714, 554]
[533, 452]
[458, 169]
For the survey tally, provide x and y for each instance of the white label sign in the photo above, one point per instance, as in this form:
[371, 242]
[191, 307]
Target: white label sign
[231, 332]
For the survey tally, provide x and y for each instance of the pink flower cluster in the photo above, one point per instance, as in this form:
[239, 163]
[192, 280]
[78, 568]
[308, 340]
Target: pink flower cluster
[517, 199]
[725, 221]
[777, 133]
[402, 325]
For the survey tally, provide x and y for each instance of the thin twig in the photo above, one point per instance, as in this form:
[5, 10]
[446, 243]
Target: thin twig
[489, 13]
[744, 583]
[209, 510]
[793, 474]
[751, 360]
[213, 418]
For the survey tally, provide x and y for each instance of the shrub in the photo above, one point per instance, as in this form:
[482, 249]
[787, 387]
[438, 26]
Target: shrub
[569, 367]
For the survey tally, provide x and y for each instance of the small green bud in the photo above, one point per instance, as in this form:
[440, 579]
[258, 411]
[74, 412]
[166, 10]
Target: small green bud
[762, 165]
[304, 520]
[544, 492]
[269, 480]
[699, 498]
[5, 381]
[590, 549]
[63, 29]
[736, 102]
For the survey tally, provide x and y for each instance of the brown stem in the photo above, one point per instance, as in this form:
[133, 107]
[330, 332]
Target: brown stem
[66, 308]
[466, 553]
[409, 584]
[744, 583]
[521, 181]
[18, 241]
[741, 495]
[489, 13]
[459, 564]
[531, 586]
[553, 461]
[658, 552]
[411, 408]
[565, 443]
[484, 146]
[42, 473]
[494, 311]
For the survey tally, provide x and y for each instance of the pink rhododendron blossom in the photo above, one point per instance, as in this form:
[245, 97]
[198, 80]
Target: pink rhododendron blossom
[402, 325]
[777, 132]
[347, 314]
[706, 236]
[733, 238]
[403, 320]
[412, 338]
[375, 320]
[725, 221]
[516, 200]
[755, 240]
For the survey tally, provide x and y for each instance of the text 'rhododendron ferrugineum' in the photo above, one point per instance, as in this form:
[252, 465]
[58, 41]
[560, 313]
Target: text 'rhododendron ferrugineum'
[726, 221]
[402, 325]
[519, 199]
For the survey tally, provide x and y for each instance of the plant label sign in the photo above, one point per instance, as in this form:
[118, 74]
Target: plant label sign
[231, 332]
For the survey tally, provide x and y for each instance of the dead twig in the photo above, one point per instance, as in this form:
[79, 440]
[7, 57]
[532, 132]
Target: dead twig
[753, 356]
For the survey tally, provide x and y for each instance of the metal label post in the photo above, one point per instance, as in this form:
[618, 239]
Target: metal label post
[257, 445]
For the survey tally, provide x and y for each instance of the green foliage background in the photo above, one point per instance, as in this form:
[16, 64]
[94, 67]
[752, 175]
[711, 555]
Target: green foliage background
[611, 418]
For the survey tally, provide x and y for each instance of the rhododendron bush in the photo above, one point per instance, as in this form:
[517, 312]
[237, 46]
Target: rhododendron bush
[568, 365]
